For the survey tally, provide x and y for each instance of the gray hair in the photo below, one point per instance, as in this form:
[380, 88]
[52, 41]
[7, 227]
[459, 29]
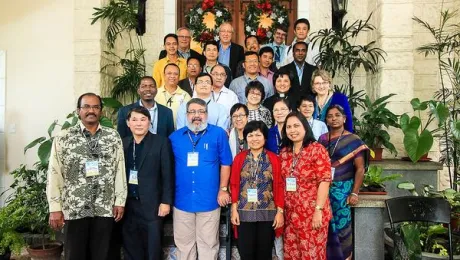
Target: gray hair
[198, 101]
[183, 28]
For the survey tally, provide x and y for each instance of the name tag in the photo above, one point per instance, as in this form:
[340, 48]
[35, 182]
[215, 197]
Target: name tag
[133, 177]
[192, 159]
[291, 184]
[252, 195]
[92, 168]
[332, 172]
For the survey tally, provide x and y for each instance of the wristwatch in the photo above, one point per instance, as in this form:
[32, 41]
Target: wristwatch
[317, 207]
[223, 188]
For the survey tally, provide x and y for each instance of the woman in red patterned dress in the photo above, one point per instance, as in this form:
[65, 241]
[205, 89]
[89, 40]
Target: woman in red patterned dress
[306, 170]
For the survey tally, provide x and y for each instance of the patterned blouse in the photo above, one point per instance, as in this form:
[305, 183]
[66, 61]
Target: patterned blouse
[261, 114]
[70, 190]
[257, 174]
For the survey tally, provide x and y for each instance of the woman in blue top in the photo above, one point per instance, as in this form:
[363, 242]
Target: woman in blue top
[321, 82]
[281, 109]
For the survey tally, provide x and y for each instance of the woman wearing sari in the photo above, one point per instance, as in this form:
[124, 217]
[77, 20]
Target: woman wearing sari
[321, 83]
[348, 155]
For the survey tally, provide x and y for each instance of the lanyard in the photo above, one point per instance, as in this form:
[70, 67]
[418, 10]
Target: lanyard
[278, 140]
[169, 100]
[194, 143]
[335, 146]
[254, 174]
[134, 155]
[214, 98]
[92, 143]
[295, 160]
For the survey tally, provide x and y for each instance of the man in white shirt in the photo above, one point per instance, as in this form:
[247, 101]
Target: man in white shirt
[221, 94]
[301, 30]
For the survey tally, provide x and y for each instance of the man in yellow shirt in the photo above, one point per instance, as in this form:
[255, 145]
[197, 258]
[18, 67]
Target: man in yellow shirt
[171, 95]
[170, 44]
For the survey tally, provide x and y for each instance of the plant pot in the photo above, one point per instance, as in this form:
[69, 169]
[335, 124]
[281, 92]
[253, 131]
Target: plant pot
[377, 154]
[52, 251]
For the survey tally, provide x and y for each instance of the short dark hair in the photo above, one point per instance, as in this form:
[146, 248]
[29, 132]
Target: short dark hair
[307, 139]
[254, 126]
[148, 77]
[282, 28]
[280, 74]
[255, 85]
[236, 107]
[193, 58]
[248, 37]
[173, 35]
[338, 107]
[300, 43]
[265, 50]
[90, 94]
[283, 100]
[302, 20]
[171, 64]
[249, 53]
[140, 110]
[210, 43]
[219, 65]
[308, 98]
[203, 74]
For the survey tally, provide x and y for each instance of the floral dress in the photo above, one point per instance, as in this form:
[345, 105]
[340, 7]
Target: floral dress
[313, 167]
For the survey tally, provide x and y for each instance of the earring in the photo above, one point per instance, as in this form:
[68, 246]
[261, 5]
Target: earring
[344, 121]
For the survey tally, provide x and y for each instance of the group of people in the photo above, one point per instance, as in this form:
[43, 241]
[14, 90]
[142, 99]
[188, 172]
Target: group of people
[260, 131]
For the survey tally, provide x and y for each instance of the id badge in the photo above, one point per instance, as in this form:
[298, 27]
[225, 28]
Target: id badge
[133, 177]
[252, 195]
[92, 168]
[291, 184]
[332, 172]
[192, 159]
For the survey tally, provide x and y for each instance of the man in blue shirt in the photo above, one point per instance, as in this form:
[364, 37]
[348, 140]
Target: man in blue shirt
[202, 165]
[217, 112]
[278, 45]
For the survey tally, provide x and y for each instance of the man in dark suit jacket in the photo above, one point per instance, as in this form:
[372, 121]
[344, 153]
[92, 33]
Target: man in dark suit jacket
[299, 66]
[236, 53]
[193, 69]
[149, 166]
[183, 50]
[162, 118]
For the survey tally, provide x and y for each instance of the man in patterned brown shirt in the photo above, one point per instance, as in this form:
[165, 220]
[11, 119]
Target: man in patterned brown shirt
[86, 186]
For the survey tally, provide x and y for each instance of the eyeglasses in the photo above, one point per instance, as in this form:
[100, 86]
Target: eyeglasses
[241, 116]
[281, 34]
[203, 82]
[281, 110]
[226, 31]
[222, 75]
[324, 83]
[88, 107]
[195, 112]
[193, 66]
[183, 37]
[251, 61]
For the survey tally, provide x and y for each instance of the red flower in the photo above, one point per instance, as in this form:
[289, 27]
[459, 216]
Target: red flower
[261, 33]
[207, 4]
[206, 36]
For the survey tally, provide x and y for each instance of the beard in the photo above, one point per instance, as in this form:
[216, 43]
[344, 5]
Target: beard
[197, 128]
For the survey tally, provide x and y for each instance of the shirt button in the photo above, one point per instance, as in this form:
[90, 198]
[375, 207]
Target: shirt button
[193, 181]
[193, 191]
[193, 172]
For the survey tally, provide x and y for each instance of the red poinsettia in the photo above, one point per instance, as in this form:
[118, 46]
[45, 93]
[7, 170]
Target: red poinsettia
[206, 36]
[261, 33]
[207, 4]
[266, 7]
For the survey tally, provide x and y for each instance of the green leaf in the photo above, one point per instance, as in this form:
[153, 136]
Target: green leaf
[65, 125]
[406, 186]
[44, 151]
[51, 128]
[455, 128]
[416, 145]
[404, 122]
[104, 121]
[440, 112]
[417, 105]
[112, 103]
[34, 143]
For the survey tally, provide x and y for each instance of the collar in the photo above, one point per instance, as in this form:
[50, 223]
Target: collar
[83, 128]
[268, 73]
[249, 78]
[187, 51]
[178, 90]
[178, 61]
[223, 89]
[186, 130]
[221, 47]
[151, 109]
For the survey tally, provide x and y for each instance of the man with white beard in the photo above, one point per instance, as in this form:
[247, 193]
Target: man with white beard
[202, 166]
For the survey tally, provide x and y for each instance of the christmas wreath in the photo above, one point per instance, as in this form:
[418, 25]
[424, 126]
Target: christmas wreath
[262, 18]
[215, 11]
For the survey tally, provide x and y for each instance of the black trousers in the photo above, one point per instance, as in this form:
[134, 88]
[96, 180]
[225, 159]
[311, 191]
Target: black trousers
[87, 238]
[141, 236]
[116, 241]
[255, 240]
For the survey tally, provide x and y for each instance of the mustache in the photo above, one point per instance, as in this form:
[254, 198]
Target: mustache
[90, 114]
[196, 119]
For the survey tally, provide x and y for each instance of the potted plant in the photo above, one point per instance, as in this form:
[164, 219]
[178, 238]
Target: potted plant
[374, 123]
[418, 140]
[374, 182]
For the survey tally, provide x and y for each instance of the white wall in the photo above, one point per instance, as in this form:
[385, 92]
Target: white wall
[38, 39]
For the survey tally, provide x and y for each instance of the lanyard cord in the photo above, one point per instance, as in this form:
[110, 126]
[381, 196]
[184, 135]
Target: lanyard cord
[295, 160]
[195, 143]
[335, 146]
